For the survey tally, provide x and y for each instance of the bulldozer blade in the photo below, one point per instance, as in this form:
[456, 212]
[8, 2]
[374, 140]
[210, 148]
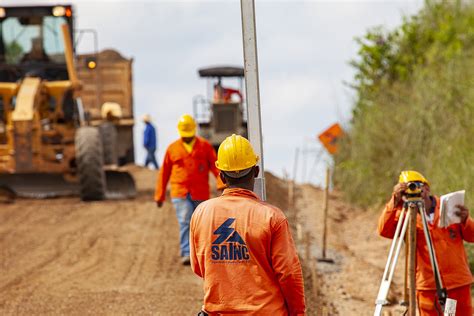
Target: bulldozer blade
[38, 186]
[7, 195]
[120, 185]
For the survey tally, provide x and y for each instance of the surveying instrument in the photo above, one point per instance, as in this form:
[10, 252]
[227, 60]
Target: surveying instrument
[412, 206]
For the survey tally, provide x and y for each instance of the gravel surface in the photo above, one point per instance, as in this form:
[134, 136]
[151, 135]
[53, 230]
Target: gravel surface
[64, 256]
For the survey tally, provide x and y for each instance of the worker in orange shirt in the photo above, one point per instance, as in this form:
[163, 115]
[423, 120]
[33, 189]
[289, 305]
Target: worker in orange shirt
[242, 247]
[448, 245]
[187, 164]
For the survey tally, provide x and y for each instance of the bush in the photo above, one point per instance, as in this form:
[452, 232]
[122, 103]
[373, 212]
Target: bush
[414, 107]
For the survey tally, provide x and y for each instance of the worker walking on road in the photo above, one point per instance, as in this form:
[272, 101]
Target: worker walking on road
[448, 244]
[150, 142]
[242, 247]
[187, 164]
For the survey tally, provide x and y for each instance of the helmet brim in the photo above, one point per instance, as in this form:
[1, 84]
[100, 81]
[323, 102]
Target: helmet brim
[238, 174]
[187, 133]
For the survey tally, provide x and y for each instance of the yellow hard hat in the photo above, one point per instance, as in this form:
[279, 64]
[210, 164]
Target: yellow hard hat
[236, 156]
[186, 126]
[412, 176]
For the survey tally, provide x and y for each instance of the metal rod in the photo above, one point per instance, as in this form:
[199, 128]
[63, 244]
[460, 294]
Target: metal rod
[291, 188]
[69, 55]
[252, 89]
[295, 164]
[305, 161]
[397, 242]
[440, 290]
[399, 246]
[429, 244]
[325, 210]
[400, 223]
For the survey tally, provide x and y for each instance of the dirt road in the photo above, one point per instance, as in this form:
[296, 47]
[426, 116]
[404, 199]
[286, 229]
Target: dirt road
[63, 256]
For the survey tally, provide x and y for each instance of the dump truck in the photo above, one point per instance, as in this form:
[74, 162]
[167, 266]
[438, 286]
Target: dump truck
[222, 112]
[61, 115]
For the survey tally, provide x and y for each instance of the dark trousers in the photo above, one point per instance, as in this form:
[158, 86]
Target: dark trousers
[150, 158]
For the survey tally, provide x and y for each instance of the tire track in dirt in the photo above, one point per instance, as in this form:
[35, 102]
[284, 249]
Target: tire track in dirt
[145, 240]
[114, 257]
[67, 257]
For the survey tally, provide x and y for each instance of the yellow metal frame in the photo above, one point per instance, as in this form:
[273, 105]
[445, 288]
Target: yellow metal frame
[24, 122]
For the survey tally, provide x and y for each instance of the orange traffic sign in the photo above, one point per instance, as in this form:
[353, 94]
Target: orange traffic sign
[330, 137]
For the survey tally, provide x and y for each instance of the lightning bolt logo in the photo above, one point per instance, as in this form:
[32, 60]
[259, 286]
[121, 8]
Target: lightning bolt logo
[224, 231]
[229, 245]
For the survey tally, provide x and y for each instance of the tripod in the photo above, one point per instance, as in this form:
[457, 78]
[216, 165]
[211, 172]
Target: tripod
[411, 207]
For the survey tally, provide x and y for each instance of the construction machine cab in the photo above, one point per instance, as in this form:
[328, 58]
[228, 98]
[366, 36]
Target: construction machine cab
[44, 134]
[31, 42]
[222, 112]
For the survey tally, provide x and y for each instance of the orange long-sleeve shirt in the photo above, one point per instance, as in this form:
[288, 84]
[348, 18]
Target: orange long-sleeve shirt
[448, 245]
[187, 172]
[243, 249]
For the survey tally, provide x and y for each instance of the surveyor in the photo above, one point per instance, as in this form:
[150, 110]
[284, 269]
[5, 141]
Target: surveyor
[448, 245]
[150, 142]
[187, 164]
[242, 247]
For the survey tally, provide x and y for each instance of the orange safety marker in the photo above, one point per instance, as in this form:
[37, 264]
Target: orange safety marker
[330, 137]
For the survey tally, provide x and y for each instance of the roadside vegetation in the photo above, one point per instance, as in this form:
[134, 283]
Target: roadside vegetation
[414, 106]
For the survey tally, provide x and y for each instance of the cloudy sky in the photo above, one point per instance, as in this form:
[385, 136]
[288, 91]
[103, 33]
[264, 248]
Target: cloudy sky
[303, 48]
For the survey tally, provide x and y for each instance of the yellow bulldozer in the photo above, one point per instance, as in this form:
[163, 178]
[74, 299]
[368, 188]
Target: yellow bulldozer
[57, 135]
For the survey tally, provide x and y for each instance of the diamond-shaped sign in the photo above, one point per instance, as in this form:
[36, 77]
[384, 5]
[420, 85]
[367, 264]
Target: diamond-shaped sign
[330, 137]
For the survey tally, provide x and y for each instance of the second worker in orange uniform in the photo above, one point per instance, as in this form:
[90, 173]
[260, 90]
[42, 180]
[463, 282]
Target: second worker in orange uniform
[186, 165]
[242, 247]
[448, 244]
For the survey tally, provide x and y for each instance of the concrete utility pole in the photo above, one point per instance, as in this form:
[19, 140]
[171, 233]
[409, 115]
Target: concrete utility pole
[252, 89]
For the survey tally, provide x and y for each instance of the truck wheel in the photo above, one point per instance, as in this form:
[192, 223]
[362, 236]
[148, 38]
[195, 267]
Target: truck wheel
[89, 159]
[108, 133]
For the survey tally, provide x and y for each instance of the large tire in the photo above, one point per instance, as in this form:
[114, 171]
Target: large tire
[90, 162]
[108, 133]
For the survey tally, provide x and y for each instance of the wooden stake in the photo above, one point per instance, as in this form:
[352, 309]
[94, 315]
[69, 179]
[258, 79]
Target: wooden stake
[405, 283]
[412, 260]
[325, 210]
[291, 189]
[308, 247]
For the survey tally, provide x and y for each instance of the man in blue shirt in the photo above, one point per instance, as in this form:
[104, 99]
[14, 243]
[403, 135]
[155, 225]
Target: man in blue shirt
[149, 142]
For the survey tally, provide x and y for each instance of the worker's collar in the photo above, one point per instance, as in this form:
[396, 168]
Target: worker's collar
[191, 142]
[240, 192]
[189, 146]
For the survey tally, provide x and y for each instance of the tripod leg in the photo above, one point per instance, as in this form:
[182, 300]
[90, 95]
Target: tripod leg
[395, 241]
[393, 255]
[440, 290]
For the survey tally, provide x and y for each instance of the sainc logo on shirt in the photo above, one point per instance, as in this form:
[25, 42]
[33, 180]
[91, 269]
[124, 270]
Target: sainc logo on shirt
[229, 245]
